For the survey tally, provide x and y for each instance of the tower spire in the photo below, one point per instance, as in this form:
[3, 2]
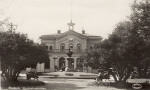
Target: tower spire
[71, 24]
[71, 10]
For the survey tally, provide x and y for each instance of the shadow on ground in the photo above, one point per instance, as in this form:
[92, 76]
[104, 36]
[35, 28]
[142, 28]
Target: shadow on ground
[61, 86]
[22, 83]
[30, 84]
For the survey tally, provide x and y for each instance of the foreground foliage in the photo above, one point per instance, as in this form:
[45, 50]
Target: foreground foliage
[17, 52]
[127, 47]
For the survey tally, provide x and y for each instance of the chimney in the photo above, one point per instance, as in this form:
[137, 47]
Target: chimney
[59, 31]
[83, 31]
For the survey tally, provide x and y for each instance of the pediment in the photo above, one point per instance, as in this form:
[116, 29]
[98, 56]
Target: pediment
[71, 37]
[73, 33]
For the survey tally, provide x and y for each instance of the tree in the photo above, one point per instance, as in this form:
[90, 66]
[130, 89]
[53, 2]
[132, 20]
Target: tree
[116, 52]
[18, 52]
[92, 59]
[128, 45]
[113, 53]
[140, 19]
[3, 24]
[120, 58]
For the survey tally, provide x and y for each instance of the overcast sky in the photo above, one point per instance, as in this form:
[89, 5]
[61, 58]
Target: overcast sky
[40, 17]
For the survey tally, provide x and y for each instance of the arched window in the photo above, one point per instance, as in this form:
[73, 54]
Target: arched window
[71, 46]
[79, 47]
[62, 46]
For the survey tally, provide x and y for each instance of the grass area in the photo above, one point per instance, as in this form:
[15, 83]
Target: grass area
[22, 83]
[69, 74]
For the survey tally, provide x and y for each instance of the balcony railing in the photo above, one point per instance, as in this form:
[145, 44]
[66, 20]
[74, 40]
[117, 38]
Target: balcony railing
[67, 50]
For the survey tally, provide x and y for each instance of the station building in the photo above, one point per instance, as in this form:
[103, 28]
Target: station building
[58, 45]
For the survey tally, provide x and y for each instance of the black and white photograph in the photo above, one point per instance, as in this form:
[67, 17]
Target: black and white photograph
[74, 44]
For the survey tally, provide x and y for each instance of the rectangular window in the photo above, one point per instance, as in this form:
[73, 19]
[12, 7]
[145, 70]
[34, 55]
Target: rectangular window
[51, 47]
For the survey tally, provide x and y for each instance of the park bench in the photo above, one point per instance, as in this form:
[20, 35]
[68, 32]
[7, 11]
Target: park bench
[32, 75]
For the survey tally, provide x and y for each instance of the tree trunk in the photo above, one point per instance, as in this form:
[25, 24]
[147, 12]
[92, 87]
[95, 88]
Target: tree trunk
[17, 75]
[139, 70]
[126, 77]
[145, 72]
[114, 76]
[120, 76]
[5, 79]
[12, 74]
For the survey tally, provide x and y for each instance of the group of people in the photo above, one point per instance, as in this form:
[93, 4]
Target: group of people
[32, 74]
[136, 75]
[62, 69]
[106, 75]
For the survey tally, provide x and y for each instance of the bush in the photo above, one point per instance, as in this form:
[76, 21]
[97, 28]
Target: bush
[69, 74]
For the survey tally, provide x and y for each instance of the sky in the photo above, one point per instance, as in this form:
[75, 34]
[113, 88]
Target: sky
[42, 17]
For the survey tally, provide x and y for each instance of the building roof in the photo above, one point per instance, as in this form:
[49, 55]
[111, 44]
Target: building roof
[59, 35]
[70, 32]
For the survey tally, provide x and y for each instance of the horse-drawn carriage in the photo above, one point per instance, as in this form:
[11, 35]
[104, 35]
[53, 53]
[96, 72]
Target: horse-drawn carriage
[32, 75]
[103, 78]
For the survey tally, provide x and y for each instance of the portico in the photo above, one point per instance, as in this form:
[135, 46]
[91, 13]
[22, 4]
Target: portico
[61, 62]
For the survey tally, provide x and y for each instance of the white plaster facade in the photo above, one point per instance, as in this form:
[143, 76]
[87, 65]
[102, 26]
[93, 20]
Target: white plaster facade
[58, 45]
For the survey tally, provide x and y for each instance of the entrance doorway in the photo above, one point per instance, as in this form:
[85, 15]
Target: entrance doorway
[62, 63]
[71, 63]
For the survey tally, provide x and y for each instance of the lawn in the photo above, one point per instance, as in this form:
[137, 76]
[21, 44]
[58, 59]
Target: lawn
[22, 83]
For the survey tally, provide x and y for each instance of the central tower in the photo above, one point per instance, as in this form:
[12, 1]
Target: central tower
[71, 25]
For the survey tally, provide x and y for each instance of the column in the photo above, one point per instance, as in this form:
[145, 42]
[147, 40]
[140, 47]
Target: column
[75, 62]
[57, 62]
[55, 59]
[51, 64]
[66, 62]
[42, 67]
[38, 67]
